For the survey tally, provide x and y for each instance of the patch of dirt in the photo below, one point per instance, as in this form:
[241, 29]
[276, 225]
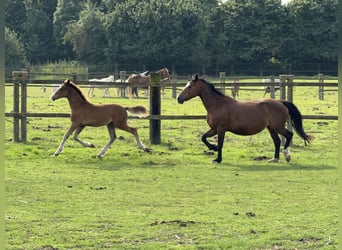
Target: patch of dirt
[260, 158]
[174, 222]
[250, 214]
[208, 152]
[309, 240]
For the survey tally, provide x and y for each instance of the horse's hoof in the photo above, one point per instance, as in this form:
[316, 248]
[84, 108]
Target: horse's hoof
[287, 155]
[275, 160]
[216, 161]
[288, 158]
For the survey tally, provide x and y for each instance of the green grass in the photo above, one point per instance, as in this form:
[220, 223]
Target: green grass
[173, 197]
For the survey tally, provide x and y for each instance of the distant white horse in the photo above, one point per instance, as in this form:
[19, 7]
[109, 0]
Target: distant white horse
[267, 82]
[105, 88]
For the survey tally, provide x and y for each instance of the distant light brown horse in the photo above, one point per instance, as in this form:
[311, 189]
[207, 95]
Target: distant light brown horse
[84, 113]
[136, 79]
[244, 118]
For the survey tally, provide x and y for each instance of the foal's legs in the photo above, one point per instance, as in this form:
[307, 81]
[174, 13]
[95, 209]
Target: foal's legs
[210, 133]
[112, 137]
[65, 138]
[84, 143]
[133, 131]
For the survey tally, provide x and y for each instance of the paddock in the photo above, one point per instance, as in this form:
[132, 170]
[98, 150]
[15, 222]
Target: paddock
[173, 196]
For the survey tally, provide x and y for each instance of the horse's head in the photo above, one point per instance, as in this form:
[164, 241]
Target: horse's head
[191, 90]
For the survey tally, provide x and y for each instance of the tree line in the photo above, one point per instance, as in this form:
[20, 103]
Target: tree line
[202, 33]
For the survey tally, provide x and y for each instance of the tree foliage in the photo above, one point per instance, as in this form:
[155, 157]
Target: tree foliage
[14, 50]
[164, 32]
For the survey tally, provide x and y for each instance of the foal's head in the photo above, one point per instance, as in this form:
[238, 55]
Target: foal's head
[66, 89]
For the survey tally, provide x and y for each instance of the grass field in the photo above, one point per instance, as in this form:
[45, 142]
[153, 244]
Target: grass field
[172, 197]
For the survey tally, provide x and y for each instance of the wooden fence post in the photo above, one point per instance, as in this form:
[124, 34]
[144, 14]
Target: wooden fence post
[155, 107]
[16, 95]
[20, 78]
[286, 80]
[223, 82]
[272, 87]
[122, 78]
[321, 87]
[23, 111]
[174, 86]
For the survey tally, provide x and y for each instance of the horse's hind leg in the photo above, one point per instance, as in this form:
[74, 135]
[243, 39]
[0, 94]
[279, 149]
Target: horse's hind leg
[277, 142]
[288, 135]
[210, 133]
[112, 137]
[83, 143]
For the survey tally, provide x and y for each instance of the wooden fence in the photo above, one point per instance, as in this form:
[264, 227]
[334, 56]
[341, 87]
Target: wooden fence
[20, 114]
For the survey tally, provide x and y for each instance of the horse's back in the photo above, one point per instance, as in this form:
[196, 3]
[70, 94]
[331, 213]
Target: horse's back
[249, 117]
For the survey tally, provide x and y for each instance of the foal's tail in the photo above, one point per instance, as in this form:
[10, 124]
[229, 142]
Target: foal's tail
[296, 120]
[139, 110]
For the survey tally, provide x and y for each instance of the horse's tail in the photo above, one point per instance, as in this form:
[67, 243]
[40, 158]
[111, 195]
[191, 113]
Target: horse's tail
[139, 110]
[296, 120]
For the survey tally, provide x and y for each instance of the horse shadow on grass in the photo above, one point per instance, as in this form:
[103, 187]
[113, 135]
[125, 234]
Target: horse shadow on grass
[267, 166]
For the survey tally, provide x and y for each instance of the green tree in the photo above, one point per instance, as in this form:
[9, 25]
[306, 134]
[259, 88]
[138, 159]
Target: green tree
[15, 15]
[314, 29]
[87, 35]
[156, 32]
[254, 29]
[67, 11]
[14, 51]
[37, 31]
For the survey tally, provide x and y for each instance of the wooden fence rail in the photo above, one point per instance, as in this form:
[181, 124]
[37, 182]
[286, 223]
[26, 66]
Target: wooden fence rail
[20, 114]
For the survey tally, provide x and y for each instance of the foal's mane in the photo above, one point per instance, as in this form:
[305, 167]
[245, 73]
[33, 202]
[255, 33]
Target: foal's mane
[77, 89]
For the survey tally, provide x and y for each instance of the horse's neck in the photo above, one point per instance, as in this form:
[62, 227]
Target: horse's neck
[212, 101]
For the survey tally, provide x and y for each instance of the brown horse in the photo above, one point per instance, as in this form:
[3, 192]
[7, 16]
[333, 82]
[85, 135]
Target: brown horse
[137, 79]
[244, 118]
[84, 113]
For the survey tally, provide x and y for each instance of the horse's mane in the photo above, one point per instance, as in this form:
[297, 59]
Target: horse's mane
[77, 89]
[212, 88]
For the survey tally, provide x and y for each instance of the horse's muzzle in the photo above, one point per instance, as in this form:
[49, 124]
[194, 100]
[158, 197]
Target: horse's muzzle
[180, 100]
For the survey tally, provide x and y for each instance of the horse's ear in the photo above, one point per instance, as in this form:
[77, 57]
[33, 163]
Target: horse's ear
[196, 77]
[190, 77]
[66, 81]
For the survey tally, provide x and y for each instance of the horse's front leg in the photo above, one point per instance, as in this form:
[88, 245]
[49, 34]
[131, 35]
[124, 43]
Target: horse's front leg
[65, 138]
[220, 140]
[83, 143]
[210, 133]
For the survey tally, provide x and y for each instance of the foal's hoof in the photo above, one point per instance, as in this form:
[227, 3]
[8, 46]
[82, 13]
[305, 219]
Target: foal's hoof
[274, 160]
[147, 150]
